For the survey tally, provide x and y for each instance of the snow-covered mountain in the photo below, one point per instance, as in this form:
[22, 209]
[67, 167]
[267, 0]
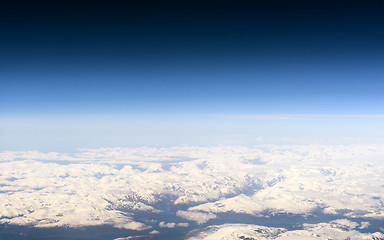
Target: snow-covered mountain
[114, 186]
[340, 229]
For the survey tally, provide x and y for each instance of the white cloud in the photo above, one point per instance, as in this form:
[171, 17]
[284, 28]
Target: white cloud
[183, 224]
[364, 225]
[167, 225]
[172, 225]
[299, 116]
[154, 232]
[198, 217]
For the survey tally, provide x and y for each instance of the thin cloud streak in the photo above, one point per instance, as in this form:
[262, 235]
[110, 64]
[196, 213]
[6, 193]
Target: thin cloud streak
[298, 116]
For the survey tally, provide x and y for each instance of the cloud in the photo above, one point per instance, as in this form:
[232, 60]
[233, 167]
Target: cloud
[132, 225]
[364, 225]
[172, 225]
[299, 116]
[198, 217]
[35, 155]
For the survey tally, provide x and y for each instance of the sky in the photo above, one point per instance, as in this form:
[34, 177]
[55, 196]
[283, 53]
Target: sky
[91, 74]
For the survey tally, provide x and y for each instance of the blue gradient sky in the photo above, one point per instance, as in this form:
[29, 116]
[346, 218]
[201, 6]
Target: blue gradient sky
[78, 74]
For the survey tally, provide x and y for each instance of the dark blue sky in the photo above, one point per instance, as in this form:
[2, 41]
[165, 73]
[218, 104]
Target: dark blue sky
[192, 56]
[95, 74]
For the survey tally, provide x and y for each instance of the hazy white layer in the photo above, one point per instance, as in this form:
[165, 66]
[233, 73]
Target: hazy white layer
[109, 185]
[198, 217]
[172, 225]
[338, 230]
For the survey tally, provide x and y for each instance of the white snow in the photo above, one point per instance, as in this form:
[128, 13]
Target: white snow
[108, 185]
[338, 230]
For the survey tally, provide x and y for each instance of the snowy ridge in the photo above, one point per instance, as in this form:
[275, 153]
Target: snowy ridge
[111, 185]
[341, 229]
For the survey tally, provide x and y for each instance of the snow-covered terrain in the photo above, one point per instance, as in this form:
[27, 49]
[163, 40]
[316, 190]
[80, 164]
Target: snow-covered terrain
[340, 229]
[113, 186]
